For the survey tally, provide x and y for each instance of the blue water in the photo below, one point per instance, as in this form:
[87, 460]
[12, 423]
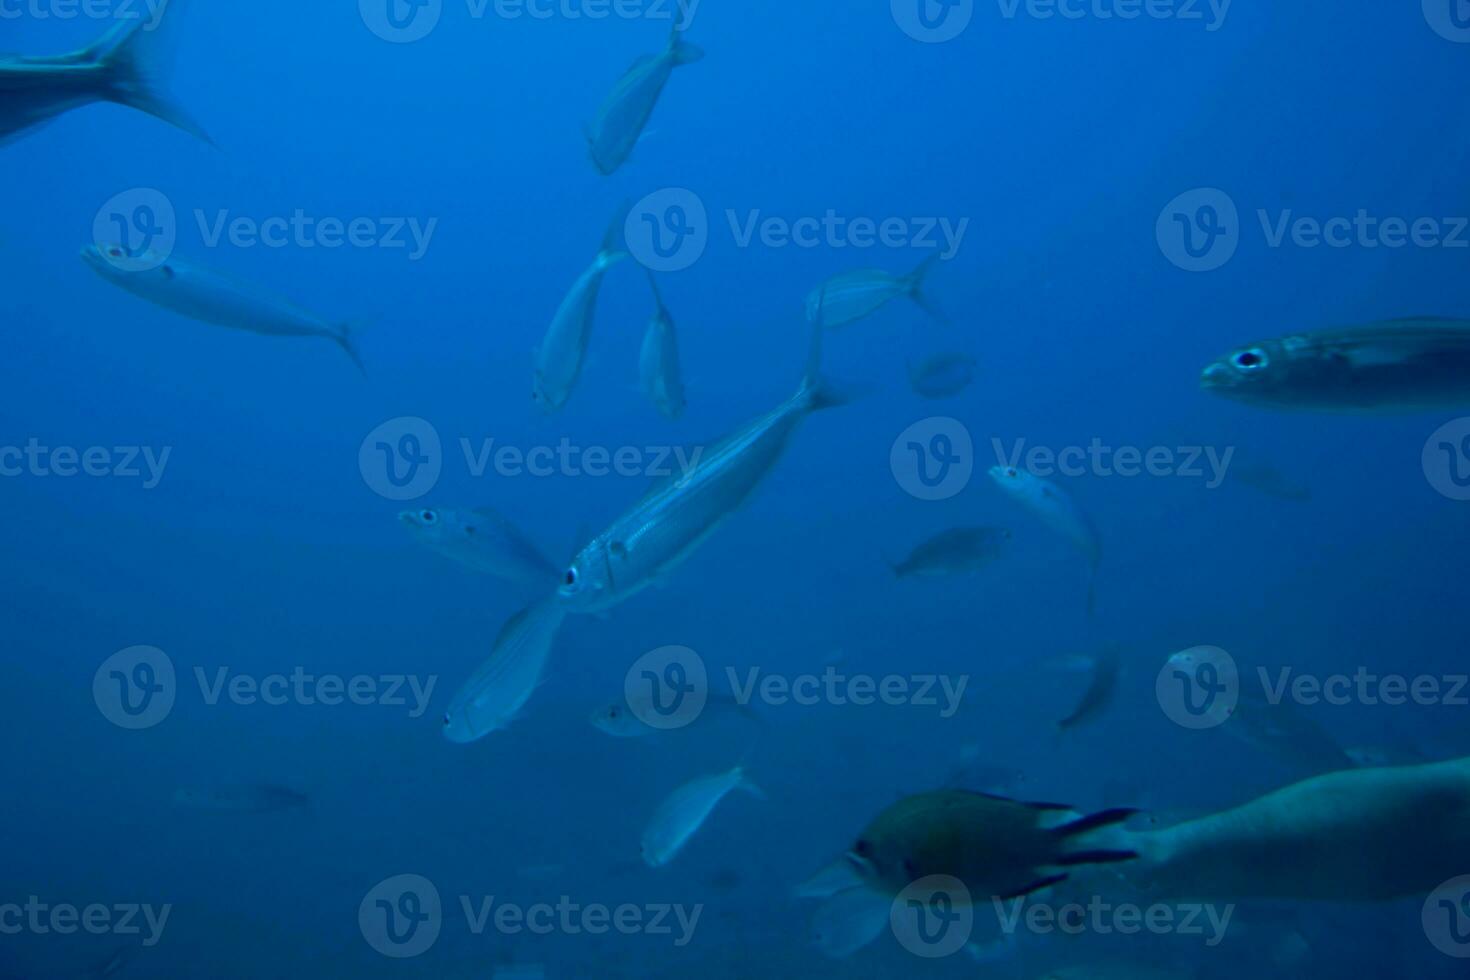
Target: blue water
[264, 547]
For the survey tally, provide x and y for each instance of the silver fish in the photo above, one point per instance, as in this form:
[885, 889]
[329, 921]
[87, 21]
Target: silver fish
[561, 355]
[624, 718]
[493, 697]
[122, 67]
[242, 799]
[1102, 689]
[1271, 481]
[670, 523]
[210, 297]
[483, 540]
[658, 361]
[1397, 365]
[626, 111]
[1057, 511]
[681, 815]
[958, 551]
[942, 376]
[854, 295]
[1283, 730]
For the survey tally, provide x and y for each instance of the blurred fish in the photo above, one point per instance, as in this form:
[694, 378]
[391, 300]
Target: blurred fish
[1396, 365]
[483, 540]
[958, 551]
[624, 718]
[561, 355]
[491, 699]
[211, 297]
[626, 111]
[680, 514]
[973, 772]
[263, 798]
[124, 66]
[1271, 481]
[854, 295]
[683, 813]
[1375, 756]
[1057, 511]
[658, 361]
[1102, 688]
[942, 376]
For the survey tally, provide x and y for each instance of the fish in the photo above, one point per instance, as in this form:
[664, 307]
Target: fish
[970, 772]
[123, 67]
[211, 297]
[493, 697]
[484, 540]
[851, 296]
[658, 361]
[998, 848]
[1102, 689]
[1282, 730]
[1408, 365]
[620, 121]
[1396, 754]
[256, 798]
[681, 815]
[942, 376]
[958, 551]
[559, 359]
[1058, 511]
[680, 514]
[1271, 481]
[624, 718]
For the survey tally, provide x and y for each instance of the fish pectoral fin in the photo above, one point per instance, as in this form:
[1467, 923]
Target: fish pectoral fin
[1095, 857]
[850, 920]
[1035, 886]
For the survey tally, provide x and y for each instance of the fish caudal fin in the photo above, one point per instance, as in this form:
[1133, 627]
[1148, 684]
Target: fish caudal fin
[680, 50]
[136, 66]
[612, 240]
[1095, 821]
[818, 392]
[346, 338]
[915, 283]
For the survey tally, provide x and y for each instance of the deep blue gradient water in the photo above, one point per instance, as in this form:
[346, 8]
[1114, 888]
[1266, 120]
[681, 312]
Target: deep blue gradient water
[263, 549]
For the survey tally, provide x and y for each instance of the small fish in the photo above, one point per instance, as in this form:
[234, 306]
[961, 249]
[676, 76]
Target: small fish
[620, 122]
[973, 773]
[1377, 756]
[483, 540]
[1394, 366]
[210, 297]
[959, 551]
[680, 514]
[1057, 511]
[262, 798]
[942, 376]
[681, 815]
[123, 67]
[1271, 481]
[491, 699]
[853, 295]
[561, 355]
[624, 718]
[1102, 688]
[658, 361]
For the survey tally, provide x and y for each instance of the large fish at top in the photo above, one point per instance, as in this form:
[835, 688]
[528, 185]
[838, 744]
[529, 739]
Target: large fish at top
[124, 67]
[561, 355]
[1392, 366]
[619, 124]
[210, 297]
[676, 518]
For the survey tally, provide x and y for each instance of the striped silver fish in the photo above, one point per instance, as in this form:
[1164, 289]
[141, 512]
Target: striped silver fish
[685, 811]
[561, 355]
[853, 295]
[658, 361]
[626, 111]
[494, 696]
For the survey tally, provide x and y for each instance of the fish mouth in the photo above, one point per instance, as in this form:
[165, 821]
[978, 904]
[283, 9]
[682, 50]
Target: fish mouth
[1215, 377]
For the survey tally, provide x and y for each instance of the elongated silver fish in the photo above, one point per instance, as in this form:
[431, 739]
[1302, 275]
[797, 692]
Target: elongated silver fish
[658, 361]
[627, 109]
[1057, 511]
[670, 523]
[1393, 366]
[122, 67]
[854, 295]
[942, 376]
[483, 540]
[957, 551]
[625, 717]
[561, 355]
[1102, 689]
[211, 297]
[681, 815]
[494, 696]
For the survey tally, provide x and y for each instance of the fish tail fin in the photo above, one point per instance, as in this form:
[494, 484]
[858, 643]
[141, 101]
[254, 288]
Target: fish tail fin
[612, 239]
[1095, 857]
[817, 391]
[135, 67]
[1094, 821]
[658, 296]
[346, 338]
[915, 283]
[681, 50]
[747, 785]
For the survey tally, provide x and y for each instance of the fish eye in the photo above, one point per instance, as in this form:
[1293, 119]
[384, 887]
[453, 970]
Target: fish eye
[1252, 360]
[571, 578]
[863, 848]
[447, 721]
[429, 517]
[1012, 472]
[115, 252]
[612, 712]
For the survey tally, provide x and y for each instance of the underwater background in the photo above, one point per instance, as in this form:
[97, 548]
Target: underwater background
[267, 546]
